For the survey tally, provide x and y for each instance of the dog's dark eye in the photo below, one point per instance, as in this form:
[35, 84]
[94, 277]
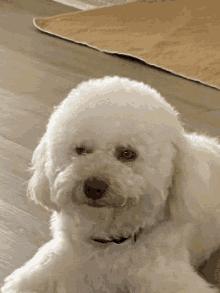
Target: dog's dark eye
[125, 155]
[81, 151]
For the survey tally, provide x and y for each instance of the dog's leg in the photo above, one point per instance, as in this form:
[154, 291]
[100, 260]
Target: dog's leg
[168, 268]
[42, 272]
[175, 277]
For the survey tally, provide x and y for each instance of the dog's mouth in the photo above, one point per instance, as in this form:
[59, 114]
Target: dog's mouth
[120, 240]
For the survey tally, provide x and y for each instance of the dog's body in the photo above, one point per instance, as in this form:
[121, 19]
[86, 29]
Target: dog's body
[135, 198]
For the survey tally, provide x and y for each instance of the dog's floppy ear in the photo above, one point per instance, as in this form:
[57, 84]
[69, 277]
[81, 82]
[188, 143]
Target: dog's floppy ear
[38, 186]
[190, 181]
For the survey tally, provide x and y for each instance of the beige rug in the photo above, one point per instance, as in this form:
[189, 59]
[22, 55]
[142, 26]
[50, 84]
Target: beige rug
[181, 36]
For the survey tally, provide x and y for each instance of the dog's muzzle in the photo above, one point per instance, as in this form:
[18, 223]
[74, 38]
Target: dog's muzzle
[94, 188]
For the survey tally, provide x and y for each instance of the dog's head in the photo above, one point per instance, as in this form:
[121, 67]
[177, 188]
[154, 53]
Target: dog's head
[107, 160]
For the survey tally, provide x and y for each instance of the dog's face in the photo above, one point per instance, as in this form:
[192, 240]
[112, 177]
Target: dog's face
[108, 158]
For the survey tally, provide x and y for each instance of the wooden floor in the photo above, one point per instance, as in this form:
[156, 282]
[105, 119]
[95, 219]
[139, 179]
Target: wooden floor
[37, 72]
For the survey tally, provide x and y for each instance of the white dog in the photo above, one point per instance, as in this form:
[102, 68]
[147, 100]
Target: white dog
[135, 199]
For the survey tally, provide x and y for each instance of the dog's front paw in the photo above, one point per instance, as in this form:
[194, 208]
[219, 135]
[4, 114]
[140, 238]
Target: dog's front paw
[22, 281]
[167, 267]
[38, 275]
[11, 286]
[174, 278]
[13, 283]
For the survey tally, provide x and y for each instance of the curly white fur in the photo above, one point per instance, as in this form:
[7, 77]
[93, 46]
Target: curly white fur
[159, 214]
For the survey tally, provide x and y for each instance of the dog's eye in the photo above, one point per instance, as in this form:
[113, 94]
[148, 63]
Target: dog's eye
[125, 155]
[81, 151]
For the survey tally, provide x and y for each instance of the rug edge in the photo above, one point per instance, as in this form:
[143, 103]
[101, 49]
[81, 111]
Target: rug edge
[123, 54]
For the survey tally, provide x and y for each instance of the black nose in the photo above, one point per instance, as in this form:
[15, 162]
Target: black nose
[94, 188]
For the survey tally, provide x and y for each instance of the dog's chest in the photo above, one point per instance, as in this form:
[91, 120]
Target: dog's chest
[109, 270]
